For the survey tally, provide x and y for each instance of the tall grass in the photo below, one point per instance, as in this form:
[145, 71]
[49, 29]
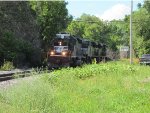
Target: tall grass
[110, 87]
[29, 97]
[7, 66]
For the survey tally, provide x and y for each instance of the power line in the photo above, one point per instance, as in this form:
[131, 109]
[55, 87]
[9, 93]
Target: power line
[116, 21]
[86, 21]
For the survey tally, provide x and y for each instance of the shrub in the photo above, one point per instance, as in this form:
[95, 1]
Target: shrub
[7, 66]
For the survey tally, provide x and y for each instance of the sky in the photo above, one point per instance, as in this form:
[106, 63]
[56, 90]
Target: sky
[104, 9]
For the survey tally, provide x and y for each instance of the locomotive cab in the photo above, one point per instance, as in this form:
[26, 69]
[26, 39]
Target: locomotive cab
[59, 47]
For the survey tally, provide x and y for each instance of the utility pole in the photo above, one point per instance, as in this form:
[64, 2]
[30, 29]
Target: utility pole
[131, 47]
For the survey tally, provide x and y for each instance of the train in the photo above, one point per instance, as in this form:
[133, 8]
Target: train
[69, 50]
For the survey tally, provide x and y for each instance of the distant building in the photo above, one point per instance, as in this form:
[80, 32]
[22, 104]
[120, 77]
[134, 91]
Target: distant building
[124, 52]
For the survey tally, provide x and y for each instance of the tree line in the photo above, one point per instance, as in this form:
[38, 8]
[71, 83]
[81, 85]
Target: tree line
[52, 17]
[116, 33]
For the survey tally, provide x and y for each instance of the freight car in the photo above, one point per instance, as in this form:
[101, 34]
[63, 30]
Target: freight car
[68, 50]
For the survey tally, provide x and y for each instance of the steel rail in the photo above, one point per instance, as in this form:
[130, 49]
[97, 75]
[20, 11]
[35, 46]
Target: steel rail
[8, 75]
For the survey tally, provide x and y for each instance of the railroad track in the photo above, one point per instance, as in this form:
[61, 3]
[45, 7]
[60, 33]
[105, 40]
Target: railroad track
[8, 75]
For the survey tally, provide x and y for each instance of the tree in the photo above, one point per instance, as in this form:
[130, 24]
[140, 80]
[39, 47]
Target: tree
[52, 17]
[19, 34]
[141, 30]
[89, 27]
[147, 5]
[92, 28]
[117, 35]
[139, 5]
[76, 28]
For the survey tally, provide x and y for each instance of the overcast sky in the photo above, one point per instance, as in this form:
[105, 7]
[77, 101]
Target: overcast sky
[104, 9]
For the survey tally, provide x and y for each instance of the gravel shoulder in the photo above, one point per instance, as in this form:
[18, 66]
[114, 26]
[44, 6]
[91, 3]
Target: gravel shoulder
[6, 84]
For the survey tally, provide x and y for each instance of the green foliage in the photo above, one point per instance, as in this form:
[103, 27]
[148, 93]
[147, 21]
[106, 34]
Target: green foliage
[7, 65]
[117, 33]
[139, 46]
[120, 31]
[14, 49]
[141, 31]
[110, 87]
[96, 32]
[52, 17]
[90, 27]
[94, 61]
[90, 18]
[147, 5]
[76, 28]
[142, 23]
[33, 100]
[94, 70]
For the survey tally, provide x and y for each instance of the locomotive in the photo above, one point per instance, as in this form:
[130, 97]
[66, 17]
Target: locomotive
[69, 50]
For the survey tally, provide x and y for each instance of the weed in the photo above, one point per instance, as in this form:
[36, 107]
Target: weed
[7, 66]
[97, 88]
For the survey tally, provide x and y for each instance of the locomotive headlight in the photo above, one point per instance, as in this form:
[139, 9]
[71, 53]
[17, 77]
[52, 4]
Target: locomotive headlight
[64, 53]
[52, 53]
[60, 43]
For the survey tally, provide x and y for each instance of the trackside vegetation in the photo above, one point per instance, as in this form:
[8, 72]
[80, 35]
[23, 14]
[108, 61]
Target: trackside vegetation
[114, 87]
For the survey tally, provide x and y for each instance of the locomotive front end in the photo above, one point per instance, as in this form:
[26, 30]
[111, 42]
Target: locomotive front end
[59, 54]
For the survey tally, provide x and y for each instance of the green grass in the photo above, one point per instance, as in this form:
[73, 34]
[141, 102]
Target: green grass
[114, 87]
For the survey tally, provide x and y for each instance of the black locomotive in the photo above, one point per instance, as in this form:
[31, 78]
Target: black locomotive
[68, 50]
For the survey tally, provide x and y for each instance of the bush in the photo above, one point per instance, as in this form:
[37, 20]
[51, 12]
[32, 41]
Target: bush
[7, 66]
